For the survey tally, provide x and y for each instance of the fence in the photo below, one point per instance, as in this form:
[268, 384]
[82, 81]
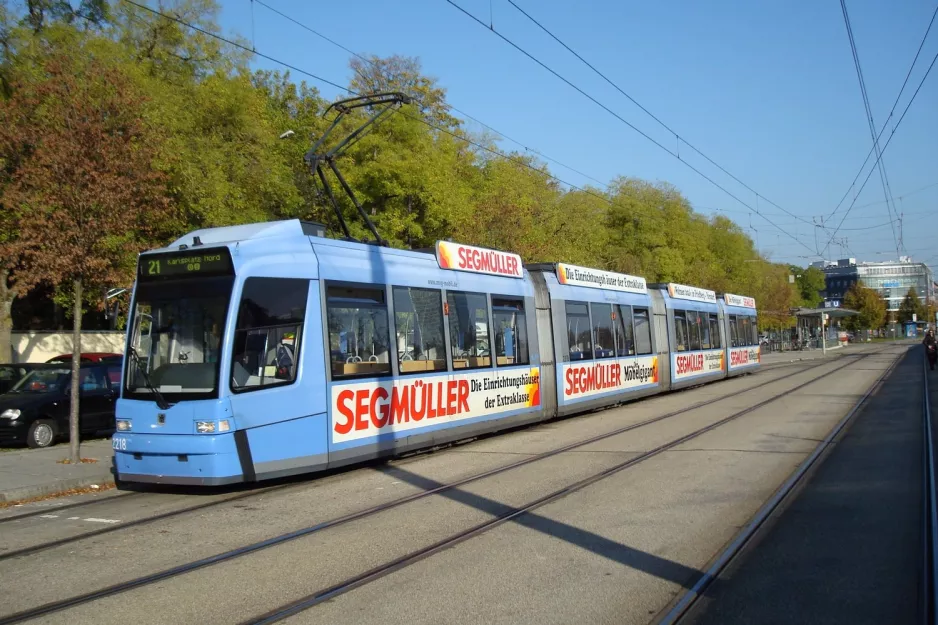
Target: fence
[41, 346]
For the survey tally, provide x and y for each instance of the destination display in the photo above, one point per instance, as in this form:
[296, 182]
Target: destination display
[367, 409]
[478, 260]
[589, 379]
[598, 279]
[741, 357]
[686, 365]
[208, 262]
[739, 300]
[682, 291]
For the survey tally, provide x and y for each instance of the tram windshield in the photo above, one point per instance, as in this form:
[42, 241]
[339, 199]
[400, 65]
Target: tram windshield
[177, 336]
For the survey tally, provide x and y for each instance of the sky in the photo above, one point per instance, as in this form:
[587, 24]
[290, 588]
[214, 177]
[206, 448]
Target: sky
[767, 90]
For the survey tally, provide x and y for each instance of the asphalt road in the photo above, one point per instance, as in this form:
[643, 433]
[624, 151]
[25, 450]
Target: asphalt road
[616, 551]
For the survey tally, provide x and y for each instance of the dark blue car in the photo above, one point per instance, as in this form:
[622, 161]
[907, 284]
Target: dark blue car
[35, 410]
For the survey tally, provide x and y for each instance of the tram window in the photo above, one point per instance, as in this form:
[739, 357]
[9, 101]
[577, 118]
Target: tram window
[755, 331]
[267, 336]
[359, 336]
[734, 332]
[642, 331]
[743, 323]
[745, 331]
[625, 338]
[578, 331]
[715, 342]
[469, 330]
[511, 331]
[704, 325]
[418, 325]
[680, 331]
[693, 330]
[604, 341]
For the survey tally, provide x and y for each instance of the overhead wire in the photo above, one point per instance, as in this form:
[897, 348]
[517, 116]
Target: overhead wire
[900, 197]
[449, 106]
[888, 117]
[626, 122]
[884, 179]
[309, 74]
[652, 115]
[886, 145]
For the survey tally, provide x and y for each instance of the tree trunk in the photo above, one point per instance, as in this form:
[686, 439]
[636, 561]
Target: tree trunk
[74, 442]
[6, 319]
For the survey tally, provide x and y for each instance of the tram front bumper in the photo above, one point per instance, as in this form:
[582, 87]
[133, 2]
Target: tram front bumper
[184, 459]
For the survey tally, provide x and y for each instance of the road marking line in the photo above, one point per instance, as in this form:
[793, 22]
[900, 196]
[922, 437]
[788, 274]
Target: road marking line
[73, 518]
[93, 520]
[48, 516]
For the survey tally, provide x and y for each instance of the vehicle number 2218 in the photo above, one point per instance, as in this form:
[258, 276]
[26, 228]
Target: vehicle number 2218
[119, 444]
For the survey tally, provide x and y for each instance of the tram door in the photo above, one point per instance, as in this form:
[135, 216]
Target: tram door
[662, 340]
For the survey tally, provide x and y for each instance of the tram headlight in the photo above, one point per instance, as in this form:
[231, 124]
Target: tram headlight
[124, 425]
[205, 427]
[223, 425]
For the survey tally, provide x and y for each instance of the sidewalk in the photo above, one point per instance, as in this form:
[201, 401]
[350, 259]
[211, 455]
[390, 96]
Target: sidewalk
[773, 358]
[29, 473]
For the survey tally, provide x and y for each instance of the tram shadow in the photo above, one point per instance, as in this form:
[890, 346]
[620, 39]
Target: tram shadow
[625, 555]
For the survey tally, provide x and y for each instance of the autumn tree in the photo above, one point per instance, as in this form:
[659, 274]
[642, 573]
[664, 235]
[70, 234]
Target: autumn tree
[870, 306]
[84, 192]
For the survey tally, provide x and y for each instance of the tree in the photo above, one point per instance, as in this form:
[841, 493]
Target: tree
[810, 282]
[85, 193]
[402, 73]
[870, 306]
[911, 305]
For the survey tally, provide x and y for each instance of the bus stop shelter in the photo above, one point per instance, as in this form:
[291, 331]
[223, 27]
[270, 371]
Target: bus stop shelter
[820, 322]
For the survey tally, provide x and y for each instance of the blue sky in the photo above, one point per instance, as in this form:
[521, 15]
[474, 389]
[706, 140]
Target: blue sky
[766, 89]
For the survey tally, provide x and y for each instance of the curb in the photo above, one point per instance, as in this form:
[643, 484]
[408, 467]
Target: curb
[54, 488]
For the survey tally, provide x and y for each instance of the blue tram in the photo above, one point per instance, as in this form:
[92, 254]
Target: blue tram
[266, 350]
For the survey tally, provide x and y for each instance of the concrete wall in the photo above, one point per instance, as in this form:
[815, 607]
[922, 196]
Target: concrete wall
[41, 346]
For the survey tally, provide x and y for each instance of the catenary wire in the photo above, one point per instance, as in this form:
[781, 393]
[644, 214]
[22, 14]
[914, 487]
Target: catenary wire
[449, 106]
[652, 115]
[351, 92]
[884, 179]
[629, 124]
[888, 141]
[888, 117]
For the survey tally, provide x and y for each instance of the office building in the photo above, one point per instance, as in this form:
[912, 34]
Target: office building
[891, 279]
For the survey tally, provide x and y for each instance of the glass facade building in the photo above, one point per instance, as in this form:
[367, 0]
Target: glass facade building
[891, 279]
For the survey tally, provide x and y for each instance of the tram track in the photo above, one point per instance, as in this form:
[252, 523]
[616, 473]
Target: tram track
[383, 570]
[258, 491]
[685, 604]
[326, 594]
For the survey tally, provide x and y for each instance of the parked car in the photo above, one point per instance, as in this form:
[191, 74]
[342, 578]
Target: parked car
[87, 357]
[35, 411]
[11, 374]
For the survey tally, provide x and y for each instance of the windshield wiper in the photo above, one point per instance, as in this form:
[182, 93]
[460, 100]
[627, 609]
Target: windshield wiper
[160, 400]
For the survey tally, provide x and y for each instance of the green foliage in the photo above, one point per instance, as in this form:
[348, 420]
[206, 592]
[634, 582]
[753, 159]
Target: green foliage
[810, 283]
[912, 305]
[870, 305]
[213, 139]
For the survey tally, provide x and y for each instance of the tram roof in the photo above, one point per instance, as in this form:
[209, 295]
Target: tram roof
[246, 232]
